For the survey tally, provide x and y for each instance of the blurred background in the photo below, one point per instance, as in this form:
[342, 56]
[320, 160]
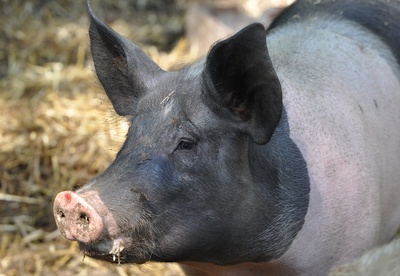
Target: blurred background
[58, 129]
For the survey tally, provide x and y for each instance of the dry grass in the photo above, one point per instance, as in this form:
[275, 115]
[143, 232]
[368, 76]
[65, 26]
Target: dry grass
[57, 130]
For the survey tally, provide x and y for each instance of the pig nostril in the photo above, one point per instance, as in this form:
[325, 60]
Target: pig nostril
[61, 214]
[84, 218]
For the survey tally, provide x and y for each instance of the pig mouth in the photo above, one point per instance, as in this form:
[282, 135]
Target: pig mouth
[101, 250]
[134, 246]
[118, 251]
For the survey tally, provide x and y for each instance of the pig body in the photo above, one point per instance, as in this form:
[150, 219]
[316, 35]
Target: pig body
[278, 160]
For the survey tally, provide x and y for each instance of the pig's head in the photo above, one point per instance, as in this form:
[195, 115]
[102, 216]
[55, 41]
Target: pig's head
[183, 187]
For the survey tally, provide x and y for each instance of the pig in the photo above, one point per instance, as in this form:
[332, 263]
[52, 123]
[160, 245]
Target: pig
[276, 154]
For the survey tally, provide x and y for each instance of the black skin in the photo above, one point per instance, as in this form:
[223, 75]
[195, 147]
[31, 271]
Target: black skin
[216, 178]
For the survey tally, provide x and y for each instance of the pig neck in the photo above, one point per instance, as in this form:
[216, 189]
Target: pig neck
[279, 169]
[278, 203]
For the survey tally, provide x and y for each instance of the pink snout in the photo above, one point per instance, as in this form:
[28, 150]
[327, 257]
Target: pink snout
[76, 219]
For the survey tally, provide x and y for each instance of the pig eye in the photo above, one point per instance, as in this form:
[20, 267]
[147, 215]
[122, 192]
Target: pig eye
[185, 144]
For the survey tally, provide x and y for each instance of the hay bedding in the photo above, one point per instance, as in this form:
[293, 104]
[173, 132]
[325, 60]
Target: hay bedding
[57, 128]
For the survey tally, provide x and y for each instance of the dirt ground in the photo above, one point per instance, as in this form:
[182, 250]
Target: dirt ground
[57, 128]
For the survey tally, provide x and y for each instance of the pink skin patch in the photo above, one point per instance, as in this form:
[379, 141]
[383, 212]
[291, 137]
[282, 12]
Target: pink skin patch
[110, 224]
[76, 218]
[68, 197]
[84, 217]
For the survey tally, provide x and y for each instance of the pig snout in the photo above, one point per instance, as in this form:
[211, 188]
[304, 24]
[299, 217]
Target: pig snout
[76, 219]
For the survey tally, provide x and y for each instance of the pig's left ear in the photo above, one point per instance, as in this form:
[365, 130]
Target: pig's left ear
[242, 84]
[123, 69]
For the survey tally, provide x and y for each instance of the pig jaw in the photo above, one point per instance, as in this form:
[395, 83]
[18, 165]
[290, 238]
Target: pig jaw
[113, 251]
[118, 250]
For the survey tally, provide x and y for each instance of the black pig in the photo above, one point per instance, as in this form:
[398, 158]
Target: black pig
[253, 160]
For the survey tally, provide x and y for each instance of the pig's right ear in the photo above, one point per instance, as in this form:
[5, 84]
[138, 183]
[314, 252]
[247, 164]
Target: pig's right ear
[122, 67]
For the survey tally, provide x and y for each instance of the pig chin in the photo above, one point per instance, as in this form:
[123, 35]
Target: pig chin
[117, 250]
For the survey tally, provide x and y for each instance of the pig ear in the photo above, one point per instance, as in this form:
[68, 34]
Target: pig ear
[122, 67]
[242, 83]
